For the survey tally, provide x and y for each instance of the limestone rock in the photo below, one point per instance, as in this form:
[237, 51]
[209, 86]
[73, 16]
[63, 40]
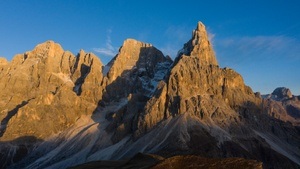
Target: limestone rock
[130, 54]
[154, 110]
[282, 105]
[133, 75]
[134, 68]
[3, 64]
[140, 102]
[3, 61]
[196, 85]
[198, 89]
[39, 96]
[88, 77]
[199, 46]
[47, 49]
[282, 93]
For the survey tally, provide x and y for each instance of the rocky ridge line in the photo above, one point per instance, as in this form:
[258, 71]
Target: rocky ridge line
[140, 102]
[44, 79]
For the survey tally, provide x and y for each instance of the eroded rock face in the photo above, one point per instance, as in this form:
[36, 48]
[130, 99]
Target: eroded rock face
[282, 93]
[136, 68]
[196, 85]
[38, 91]
[283, 105]
[88, 78]
[131, 53]
[3, 64]
[140, 102]
[133, 76]
[199, 46]
[3, 61]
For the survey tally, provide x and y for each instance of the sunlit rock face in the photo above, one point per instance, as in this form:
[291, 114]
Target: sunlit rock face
[201, 96]
[58, 110]
[40, 91]
[198, 86]
[199, 46]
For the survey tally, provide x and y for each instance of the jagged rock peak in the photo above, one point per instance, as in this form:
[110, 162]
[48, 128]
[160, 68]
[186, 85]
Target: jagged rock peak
[129, 42]
[200, 26]
[87, 58]
[81, 52]
[282, 92]
[3, 61]
[48, 49]
[134, 54]
[199, 46]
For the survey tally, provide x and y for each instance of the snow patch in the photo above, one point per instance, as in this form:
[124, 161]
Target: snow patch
[150, 85]
[64, 77]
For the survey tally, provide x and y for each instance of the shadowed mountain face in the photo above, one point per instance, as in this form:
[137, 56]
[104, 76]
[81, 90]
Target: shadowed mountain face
[79, 110]
[282, 105]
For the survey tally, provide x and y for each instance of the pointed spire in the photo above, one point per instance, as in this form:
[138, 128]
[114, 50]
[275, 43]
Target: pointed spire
[199, 46]
[200, 26]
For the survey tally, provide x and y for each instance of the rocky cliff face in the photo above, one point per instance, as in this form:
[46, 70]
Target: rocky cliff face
[3, 63]
[132, 76]
[44, 91]
[136, 69]
[197, 86]
[200, 47]
[141, 101]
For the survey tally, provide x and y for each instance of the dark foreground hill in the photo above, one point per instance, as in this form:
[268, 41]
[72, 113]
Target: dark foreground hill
[144, 161]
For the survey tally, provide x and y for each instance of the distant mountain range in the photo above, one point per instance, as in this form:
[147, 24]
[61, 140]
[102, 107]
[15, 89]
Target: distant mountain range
[59, 110]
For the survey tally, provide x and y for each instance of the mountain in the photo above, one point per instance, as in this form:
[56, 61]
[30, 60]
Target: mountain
[59, 110]
[46, 90]
[283, 105]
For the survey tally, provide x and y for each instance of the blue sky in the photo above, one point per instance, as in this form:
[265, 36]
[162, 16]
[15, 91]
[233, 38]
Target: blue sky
[259, 39]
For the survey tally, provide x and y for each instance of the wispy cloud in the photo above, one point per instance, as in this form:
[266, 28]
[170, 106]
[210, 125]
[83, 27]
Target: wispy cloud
[265, 62]
[211, 35]
[242, 49]
[109, 49]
